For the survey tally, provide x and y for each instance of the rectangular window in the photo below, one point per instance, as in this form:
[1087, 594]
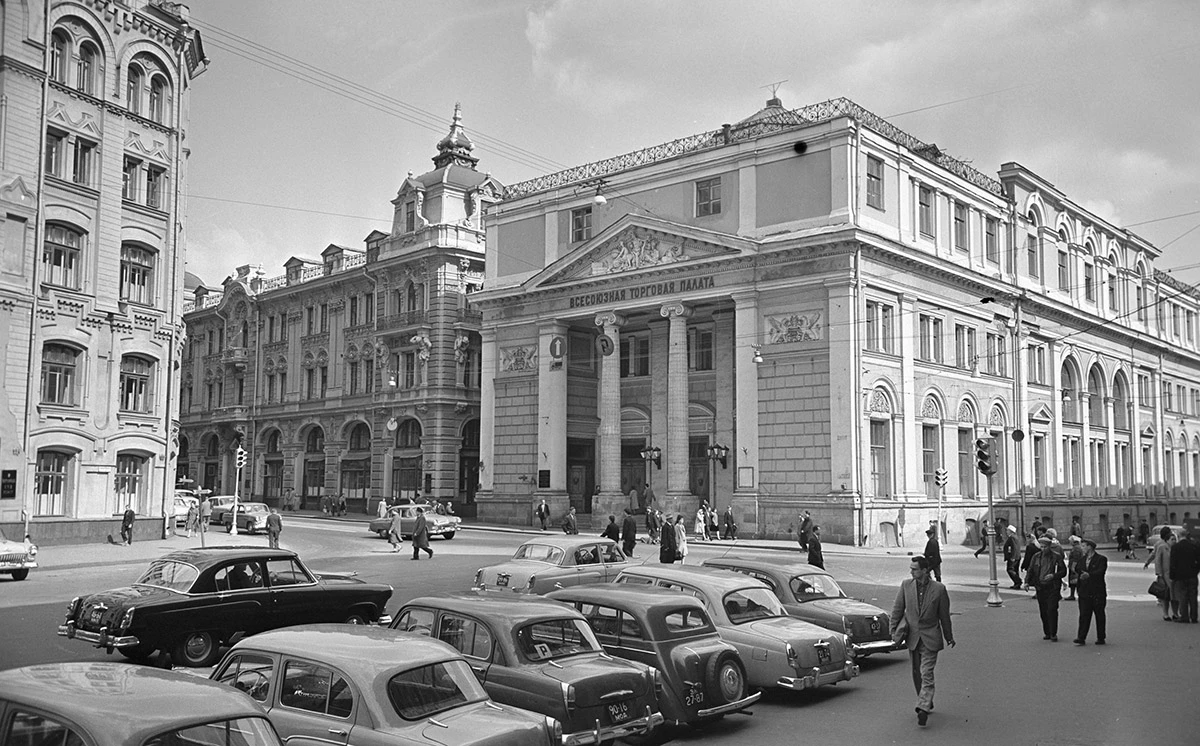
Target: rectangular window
[1064, 271]
[930, 456]
[635, 356]
[708, 197]
[129, 483]
[931, 338]
[410, 369]
[137, 275]
[925, 210]
[879, 326]
[471, 369]
[60, 257]
[581, 224]
[271, 328]
[1039, 461]
[324, 381]
[964, 346]
[1033, 254]
[881, 458]
[1166, 396]
[352, 374]
[270, 388]
[129, 189]
[991, 240]
[700, 349]
[52, 478]
[135, 384]
[966, 463]
[354, 310]
[961, 239]
[210, 395]
[1089, 282]
[1037, 364]
[156, 180]
[997, 355]
[874, 182]
[1190, 327]
[84, 162]
[56, 146]
[324, 317]
[310, 383]
[310, 316]
[368, 308]
[410, 216]
[241, 391]
[368, 376]
[1140, 302]
[59, 374]
[1143, 384]
[1175, 324]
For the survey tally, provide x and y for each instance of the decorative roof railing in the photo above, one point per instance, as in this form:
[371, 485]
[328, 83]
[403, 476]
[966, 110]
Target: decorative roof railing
[750, 130]
[1180, 286]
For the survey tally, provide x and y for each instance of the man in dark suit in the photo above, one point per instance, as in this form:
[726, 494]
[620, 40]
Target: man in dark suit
[933, 553]
[1012, 557]
[816, 557]
[1184, 569]
[921, 621]
[669, 544]
[1046, 572]
[1092, 592]
[628, 533]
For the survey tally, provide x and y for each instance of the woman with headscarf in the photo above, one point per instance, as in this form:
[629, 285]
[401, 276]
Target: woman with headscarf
[681, 539]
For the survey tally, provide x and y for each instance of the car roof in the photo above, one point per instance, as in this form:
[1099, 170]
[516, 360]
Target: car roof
[768, 564]
[363, 650]
[202, 556]
[568, 542]
[634, 597]
[121, 702]
[712, 577]
[511, 608]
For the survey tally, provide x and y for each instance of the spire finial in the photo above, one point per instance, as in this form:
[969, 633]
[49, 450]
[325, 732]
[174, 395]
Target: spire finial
[774, 87]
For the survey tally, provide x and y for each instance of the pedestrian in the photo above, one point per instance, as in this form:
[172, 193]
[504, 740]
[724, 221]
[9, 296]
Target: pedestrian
[983, 538]
[127, 526]
[341, 503]
[728, 525]
[381, 508]
[1031, 549]
[669, 548]
[612, 530]
[1161, 557]
[1123, 540]
[1184, 569]
[396, 530]
[192, 522]
[274, 528]
[1012, 558]
[1073, 559]
[701, 525]
[542, 513]
[1076, 529]
[1093, 593]
[933, 553]
[681, 539]
[635, 500]
[653, 521]
[628, 533]
[806, 527]
[295, 500]
[711, 524]
[420, 536]
[1143, 533]
[648, 498]
[439, 507]
[1045, 575]
[205, 513]
[292, 503]
[816, 557]
[569, 524]
[921, 621]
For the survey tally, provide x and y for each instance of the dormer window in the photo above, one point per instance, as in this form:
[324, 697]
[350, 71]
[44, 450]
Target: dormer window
[410, 216]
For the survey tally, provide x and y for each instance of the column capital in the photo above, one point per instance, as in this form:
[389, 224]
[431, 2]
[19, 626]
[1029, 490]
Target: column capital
[676, 309]
[609, 318]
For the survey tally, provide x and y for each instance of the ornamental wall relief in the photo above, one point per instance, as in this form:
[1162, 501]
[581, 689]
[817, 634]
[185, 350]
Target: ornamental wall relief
[518, 358]
[795, 327]
[638, 252]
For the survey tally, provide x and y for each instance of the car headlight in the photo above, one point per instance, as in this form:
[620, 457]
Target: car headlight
[529, 585]
[848, 626]
[479, 577]
[791, 654]
[73, 608]
[127, 619]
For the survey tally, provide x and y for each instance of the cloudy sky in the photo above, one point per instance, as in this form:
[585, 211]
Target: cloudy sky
[312, 111]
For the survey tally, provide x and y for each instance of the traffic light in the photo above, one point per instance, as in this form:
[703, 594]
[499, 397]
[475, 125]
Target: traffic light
[941, 477]
[985, 456]
[241, 458]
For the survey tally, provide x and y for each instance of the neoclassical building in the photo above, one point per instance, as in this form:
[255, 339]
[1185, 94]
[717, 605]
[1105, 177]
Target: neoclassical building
[813, 309]
[357, 373]
[92, 180]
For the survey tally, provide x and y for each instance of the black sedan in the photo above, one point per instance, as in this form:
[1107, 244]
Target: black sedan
[191, 602]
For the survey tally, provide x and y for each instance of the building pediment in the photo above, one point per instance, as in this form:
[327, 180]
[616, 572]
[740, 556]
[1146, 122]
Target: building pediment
[636, 244]
[1041, 413]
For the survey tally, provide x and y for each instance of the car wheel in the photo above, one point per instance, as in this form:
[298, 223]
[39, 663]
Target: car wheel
[448, 535]
[137, 653]
[20, 574]
[229, 528]
[356, 618]
[196, 650]
[382, 534]
[725, 678]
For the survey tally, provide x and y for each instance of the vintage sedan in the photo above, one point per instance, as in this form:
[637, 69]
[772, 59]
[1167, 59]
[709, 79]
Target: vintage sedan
[778, 650]
[543, 564]
[703, 676]
[541, 655]
[445, 526]
[17, 558]
[811, 594]
[219, 504]
[191, 602]
[251, 518]
[119, 704]
[373, 687]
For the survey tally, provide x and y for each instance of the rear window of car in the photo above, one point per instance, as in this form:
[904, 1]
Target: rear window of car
[174, 576]
[541, 552]
[31, 729]
[556, 638]
[240, 732]
[747, 604]
[809, 587]
[686, 622]
[428, 690]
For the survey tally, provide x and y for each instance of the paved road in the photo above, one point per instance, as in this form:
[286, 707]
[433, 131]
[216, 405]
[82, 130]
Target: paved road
[1002, 684]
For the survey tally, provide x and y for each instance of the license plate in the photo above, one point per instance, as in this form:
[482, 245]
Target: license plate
[619, 712]
[694, 697]
[95, 616]
[875, 625]
[501, 581]
[823, 654]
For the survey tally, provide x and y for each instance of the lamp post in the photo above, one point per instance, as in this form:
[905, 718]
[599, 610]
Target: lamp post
[717, 453]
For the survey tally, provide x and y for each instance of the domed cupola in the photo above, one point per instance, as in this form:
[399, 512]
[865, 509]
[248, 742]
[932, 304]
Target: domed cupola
[455, 148]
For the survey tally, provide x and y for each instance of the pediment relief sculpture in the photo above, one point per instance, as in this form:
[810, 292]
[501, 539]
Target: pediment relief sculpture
[633, 251]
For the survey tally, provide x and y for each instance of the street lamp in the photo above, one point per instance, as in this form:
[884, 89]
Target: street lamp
[718, 452]
[652, 454]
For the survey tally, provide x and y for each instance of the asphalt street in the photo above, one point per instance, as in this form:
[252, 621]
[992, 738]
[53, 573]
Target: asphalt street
[1001, 684]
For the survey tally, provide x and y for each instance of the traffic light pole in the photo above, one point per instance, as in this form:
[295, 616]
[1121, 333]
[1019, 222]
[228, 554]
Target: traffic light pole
[993, 598]
[237, 488]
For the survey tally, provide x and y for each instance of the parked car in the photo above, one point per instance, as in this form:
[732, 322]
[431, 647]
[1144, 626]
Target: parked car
[191, 602]
[251, 517]
[777, 650]
[1155, 538]
[119, 704]
[438, 524]
[813, 595]
[183, 502]
[371, 686]
[541, 655]
[17, 558]
[219, 504]
[703, 676]
[543, 564]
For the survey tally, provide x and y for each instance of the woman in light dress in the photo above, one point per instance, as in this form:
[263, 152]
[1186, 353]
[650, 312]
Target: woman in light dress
[681, 539]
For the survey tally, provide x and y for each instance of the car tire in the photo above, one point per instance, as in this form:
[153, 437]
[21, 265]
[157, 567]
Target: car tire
[448, 535]
[357, 618]
[20, 574]
[197, 649]
[725, 678]
[137, 653]
[382, 534]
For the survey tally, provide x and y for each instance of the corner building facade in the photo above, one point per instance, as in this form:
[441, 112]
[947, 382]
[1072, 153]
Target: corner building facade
[354, 374]
[788, 313]
[93, 173]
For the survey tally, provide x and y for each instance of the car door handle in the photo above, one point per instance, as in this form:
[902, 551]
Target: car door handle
[337, 732]
[477, 669]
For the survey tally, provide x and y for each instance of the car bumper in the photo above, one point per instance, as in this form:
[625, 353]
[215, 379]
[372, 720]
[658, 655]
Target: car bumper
[741, 704]
[9, 566]
[601, 734]
[101, 639]
[818, 678]
[874, 646]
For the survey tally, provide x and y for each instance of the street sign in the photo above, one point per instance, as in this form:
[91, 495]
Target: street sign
[604, 345]
[557, 348]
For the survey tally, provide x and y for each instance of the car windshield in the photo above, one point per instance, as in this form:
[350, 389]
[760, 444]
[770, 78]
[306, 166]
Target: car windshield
[811, 587]
[174, 576]
[747, 604]
[556, 638]
[539, 552]
[428, 690]
[252, 731]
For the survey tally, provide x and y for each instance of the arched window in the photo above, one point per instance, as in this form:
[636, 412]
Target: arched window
[1070, 394]
[408, 435]
[137, 274]
[1120, 403]
[60, 256]
[273, 442]
[415, 297]
[158, 99]
[360, 438]
[85, 71]
[212, 447]
[133, 90]
[183, 448]
[1096, 408]
[60, 374]
[470, 436]
[315, 443]
[137, 384]
[59, 50]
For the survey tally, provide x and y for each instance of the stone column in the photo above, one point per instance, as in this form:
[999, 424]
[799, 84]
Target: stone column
[679, 496]
[743, 451]
[487, 412]
[552, 418]
[610, 500]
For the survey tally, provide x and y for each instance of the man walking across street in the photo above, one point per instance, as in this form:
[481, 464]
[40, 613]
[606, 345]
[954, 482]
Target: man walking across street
[1093, 593]
[668, 546]
[628, 533]
[274, 528]
[1185, 566]
[1012, 558]
[983, 540]
[420, 536]
[933, 553]
[728, 526]
[612, 530]
[127, 526]
[543, 513]
[395, 531]
[1046, 572]
[205, 513]
[921, 620]
[816, 557]
[570, 525]
[806, 527]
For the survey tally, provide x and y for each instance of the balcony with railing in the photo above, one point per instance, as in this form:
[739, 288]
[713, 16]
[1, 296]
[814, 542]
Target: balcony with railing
[401, 320]
[238, 357]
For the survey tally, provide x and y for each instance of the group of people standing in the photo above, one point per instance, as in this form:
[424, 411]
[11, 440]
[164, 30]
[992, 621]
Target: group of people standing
[1176, 569]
